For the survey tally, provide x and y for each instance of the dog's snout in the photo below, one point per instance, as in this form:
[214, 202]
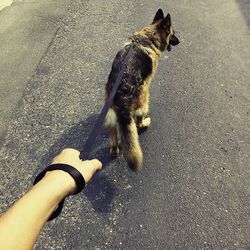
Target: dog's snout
[174, 40]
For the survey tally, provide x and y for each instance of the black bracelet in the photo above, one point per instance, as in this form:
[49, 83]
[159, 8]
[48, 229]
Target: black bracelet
[76, 175]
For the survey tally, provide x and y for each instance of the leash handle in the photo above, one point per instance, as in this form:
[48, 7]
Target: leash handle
[75, 174]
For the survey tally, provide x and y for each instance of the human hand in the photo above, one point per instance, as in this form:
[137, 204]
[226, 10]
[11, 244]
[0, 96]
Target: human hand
[71, 157]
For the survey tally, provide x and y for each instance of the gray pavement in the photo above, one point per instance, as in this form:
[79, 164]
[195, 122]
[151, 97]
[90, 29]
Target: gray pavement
[26, 31]
[193, 192]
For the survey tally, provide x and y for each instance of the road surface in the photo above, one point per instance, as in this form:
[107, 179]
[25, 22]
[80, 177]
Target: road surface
[194, 189]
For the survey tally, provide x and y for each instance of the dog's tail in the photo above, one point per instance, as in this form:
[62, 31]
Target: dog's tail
[130, 142]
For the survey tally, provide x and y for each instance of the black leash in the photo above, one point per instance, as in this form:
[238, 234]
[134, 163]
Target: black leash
[76, 175]
[88, 147]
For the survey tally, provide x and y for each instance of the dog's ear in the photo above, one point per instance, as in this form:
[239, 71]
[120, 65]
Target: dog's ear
[158, 16]
[166, 23]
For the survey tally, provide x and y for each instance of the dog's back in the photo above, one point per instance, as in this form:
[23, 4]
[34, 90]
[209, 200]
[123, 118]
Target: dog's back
[138, 68]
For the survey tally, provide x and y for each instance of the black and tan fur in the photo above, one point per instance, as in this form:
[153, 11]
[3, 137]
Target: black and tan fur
[132, 98]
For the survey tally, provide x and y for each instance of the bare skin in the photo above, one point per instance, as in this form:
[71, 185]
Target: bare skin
[21, 224]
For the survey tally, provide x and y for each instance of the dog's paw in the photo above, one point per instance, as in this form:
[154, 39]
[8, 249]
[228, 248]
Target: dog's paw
[145, 123]
[114, 152]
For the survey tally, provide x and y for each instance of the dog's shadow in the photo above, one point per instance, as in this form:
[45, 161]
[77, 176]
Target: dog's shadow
[100, 190]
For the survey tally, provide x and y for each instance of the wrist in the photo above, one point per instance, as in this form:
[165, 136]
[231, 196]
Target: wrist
[62, 181]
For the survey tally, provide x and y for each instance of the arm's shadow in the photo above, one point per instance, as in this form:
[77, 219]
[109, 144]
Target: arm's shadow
[100, 191]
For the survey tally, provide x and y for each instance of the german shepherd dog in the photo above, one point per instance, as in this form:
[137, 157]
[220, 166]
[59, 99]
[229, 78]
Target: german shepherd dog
[131, 102]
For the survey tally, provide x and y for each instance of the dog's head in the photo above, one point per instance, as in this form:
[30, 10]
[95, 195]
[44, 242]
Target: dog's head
[164, 33]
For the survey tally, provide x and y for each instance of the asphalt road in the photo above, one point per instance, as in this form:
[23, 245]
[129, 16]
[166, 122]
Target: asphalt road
[194, 190]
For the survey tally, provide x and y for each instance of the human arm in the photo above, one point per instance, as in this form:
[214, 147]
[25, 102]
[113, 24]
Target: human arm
[21, 224]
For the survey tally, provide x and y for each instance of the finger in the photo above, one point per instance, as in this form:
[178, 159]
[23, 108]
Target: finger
[73, 152]
[96, 164]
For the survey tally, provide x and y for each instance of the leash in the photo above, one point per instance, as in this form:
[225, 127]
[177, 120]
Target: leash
[88, 147]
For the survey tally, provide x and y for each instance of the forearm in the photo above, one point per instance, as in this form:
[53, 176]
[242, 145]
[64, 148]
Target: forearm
[22, 223]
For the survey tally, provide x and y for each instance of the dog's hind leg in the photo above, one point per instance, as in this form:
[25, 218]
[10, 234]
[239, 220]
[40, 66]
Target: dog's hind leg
[114, 146]
[111, 125]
